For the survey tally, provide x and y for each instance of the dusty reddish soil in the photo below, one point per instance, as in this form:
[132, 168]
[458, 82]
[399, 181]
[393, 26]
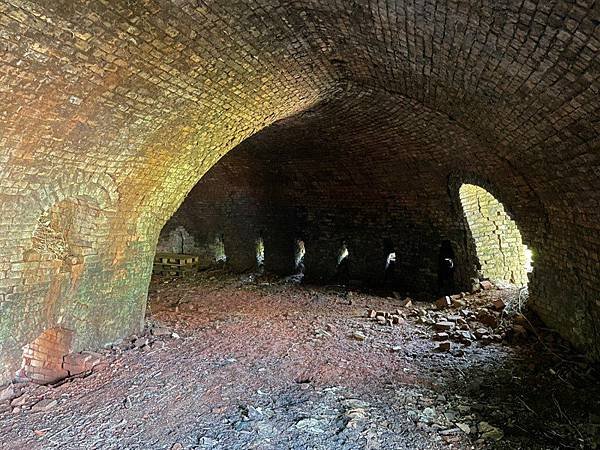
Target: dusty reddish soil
[265, 365]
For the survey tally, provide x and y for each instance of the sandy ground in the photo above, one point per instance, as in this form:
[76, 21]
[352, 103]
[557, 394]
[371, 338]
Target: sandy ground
[228, 363]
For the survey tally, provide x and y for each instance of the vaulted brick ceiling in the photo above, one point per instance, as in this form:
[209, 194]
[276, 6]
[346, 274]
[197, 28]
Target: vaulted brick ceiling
[124, 105]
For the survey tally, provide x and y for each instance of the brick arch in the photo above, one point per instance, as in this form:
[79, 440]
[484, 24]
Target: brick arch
[497, 240]
[98, 189]
[520, 206]
[153, 94]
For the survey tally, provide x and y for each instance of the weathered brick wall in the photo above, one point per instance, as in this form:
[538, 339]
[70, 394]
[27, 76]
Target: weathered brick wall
[124, 105]
[497, 238]
[332, 186]
[339, 182]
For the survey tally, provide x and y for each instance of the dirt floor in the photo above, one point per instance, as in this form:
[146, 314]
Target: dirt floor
[230, 362]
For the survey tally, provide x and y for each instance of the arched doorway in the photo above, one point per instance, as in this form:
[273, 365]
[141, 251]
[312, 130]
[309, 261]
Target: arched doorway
[501, 254]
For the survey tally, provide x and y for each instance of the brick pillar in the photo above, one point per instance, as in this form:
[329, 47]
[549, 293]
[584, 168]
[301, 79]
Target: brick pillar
[241, 252]
[279, 252]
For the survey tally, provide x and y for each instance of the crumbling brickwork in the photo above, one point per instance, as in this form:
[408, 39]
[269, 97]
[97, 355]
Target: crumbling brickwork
[43, 358]
[116, 109]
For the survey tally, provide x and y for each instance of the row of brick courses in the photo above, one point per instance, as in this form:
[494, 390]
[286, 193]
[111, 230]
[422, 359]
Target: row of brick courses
[43, 358]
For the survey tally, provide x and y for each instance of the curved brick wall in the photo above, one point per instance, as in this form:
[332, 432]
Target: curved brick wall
[121, 107]
[497, 239]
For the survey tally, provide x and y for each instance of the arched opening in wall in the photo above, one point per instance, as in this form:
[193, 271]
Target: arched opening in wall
[446, 268]
[501, 254]
[177, 240]
[219, 247]
[389, 275]
[343, 264]
[299, 253]
[43, 359]
[260, 253]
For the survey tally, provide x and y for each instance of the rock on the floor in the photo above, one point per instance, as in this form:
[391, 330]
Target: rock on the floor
[44, 405]
[489, 432]
[359, 335]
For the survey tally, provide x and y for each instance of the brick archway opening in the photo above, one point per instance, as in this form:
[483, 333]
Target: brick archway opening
[299, 253]
[501, 254]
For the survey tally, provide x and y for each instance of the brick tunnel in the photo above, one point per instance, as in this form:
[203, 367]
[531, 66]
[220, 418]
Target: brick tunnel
[209, 128]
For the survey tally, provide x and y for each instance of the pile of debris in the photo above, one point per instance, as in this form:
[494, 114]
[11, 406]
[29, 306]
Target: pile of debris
[483, 317]
[386, 318]
[153, 333]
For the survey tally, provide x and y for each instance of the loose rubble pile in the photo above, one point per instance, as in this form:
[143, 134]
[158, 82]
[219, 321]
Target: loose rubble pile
[460, 320]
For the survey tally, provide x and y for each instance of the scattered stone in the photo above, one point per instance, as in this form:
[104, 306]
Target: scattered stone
[464, 337]
[160, 331]
[19, 401]
[487, 318]
[141, 342]
[441, 336]
[396, 319]
[77, 363]
[490, 432]
[254, 413]
[44, 405]
[449, 415]
[444, 326]
[444, 346]
[208, 443]
[480, 332]
[310, 425]
[8, 393]
[499, 304]
[463, 427]
[443, 302]
[486, 285]
[406, 303]
[359, 336]
[466, 312]
[355, 413]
